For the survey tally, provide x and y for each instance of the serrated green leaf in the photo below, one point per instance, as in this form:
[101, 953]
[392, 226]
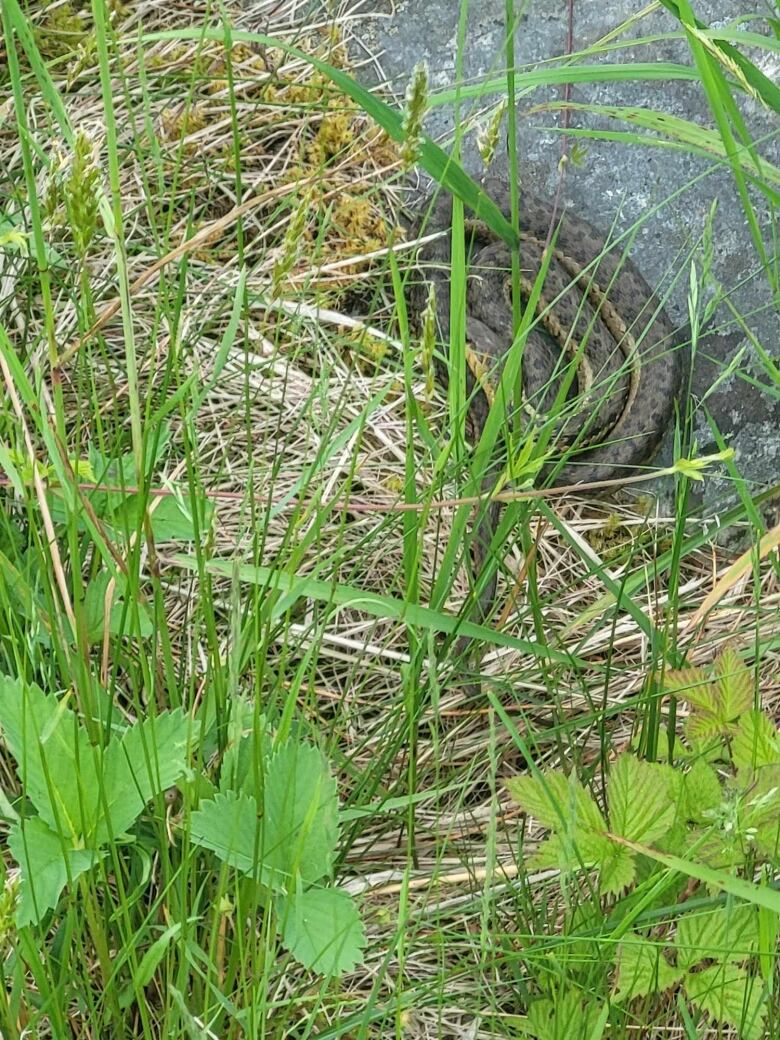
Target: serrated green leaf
[642, 969]
[567, 1017]
[228, 825]
[46, 867]
[755, 741]
[701, 790]
[149, 758]
[56, 762]
[300, 814]
[725, 933]
[728, 994]
[248, 748]
[640, 804]
[735, 686]
[617, 870]
[761, 810]
[321, 928]
[693, 686]
[704, 730]
[557, 801]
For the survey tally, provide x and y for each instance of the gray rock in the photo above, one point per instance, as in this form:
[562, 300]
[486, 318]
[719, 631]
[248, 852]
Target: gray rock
[618, 183]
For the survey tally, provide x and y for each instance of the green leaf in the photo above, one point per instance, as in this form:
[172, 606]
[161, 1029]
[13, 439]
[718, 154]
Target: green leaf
[300, 814]
[735, 686]
[334, 594]
[642, 969]
[702, 791]
[761, 810]
[120, 619]
[567, 1017]
[172, 518]
[758, 895]
[557, 801]
[150, 961]
[571, 852]
[617, 870]
[47, 864]
[755, 741]
[725, 933]
[693, 686]
[638, 795]
[728, 994]
[321, 928]
[228, 825]
[248, 748]
[148, 759]
[56, 762]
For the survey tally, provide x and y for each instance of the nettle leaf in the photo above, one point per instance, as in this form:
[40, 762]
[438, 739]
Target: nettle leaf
[693, 686]
[701, 791]
[300, 814]
[725, 933]
[567, 1017]
[228, 825]
[617, 870]
[321, 928]
[704, 729]
[642, 969]
[584, 850]
[735, 688]
[57, 764]
[557, 801]
[641, 807]
[46, 864]
[761, 810]
[755, 741]
[728, 994]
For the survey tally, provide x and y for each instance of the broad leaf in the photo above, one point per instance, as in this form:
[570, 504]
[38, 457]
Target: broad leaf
[568, 1017]
[761, 810]
[639, 799]
[701, 791]
[56, 762]
[148, 759]
[693, 686]
[248, 749]
[728, 994]
[755, 742]
[642, 969]
[321, 928]
[228, 825]
[46, 867]
[728, 932]
[300, 814]
[558, 802]
[617, 870]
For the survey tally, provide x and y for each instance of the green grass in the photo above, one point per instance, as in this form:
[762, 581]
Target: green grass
[233, 530]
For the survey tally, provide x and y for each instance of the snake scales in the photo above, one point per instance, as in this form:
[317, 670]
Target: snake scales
[622, 394]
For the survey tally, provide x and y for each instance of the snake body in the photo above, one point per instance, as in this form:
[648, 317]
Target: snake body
[627, 375]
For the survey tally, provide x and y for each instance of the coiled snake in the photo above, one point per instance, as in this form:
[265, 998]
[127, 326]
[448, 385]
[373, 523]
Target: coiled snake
[621, 396]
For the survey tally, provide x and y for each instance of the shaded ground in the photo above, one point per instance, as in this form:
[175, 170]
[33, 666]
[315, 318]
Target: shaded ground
[618, 183]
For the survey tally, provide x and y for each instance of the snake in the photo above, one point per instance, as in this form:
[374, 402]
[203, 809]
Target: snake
[600, 363]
